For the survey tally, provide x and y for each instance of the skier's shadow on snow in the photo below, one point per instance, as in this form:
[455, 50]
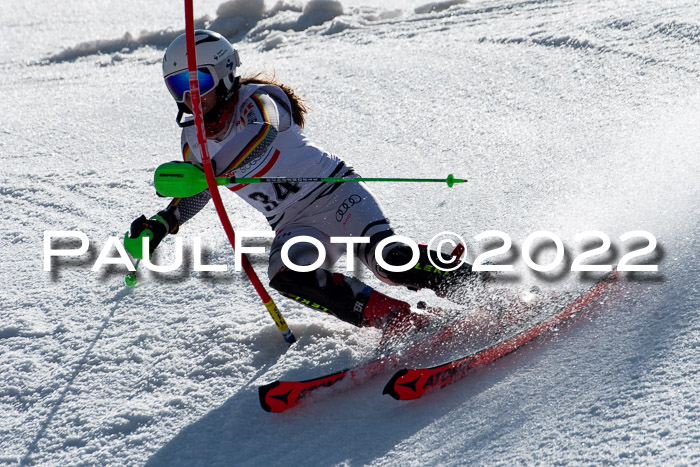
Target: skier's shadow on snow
[355, 426]
[78, 368]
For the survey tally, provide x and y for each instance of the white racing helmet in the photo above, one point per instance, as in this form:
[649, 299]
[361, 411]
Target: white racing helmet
[217, 61]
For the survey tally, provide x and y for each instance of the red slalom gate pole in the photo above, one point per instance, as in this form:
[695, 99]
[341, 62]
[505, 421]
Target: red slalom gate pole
[211, 178]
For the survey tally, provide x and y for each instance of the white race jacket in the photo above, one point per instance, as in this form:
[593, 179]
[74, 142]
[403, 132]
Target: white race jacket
[263, 140]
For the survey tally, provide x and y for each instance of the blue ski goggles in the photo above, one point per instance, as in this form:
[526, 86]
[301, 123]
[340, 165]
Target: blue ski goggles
[179, 83]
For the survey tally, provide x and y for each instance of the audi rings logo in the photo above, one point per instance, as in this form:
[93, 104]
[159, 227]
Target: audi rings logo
[346, 205]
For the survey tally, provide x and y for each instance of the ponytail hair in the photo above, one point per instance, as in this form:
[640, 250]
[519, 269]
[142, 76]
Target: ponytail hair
[299, 109]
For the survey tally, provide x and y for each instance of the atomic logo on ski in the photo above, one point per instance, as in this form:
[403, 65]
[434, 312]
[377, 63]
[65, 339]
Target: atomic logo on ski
[284, 398]
[411, 384]
[282, 395]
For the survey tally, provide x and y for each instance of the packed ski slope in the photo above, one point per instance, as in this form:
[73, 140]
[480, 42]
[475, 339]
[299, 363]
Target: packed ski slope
[564, 116]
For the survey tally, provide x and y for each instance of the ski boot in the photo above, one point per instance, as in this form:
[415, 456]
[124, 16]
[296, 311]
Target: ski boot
[393, 316]
[345, 298]
[446, 280]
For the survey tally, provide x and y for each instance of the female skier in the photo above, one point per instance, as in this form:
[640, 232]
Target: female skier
[254, 128]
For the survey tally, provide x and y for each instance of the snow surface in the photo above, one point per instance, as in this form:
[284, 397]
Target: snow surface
[565, 116]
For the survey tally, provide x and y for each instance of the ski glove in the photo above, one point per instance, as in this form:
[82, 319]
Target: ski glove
[156, 228]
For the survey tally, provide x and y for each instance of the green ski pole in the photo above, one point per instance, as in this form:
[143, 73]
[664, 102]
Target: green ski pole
[182, 179]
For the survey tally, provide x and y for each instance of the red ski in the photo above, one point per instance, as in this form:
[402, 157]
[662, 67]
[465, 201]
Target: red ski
[284, 395]
[280, 396]
[408, 384]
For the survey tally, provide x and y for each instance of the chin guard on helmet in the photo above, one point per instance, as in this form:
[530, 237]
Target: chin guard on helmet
[181, 111]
